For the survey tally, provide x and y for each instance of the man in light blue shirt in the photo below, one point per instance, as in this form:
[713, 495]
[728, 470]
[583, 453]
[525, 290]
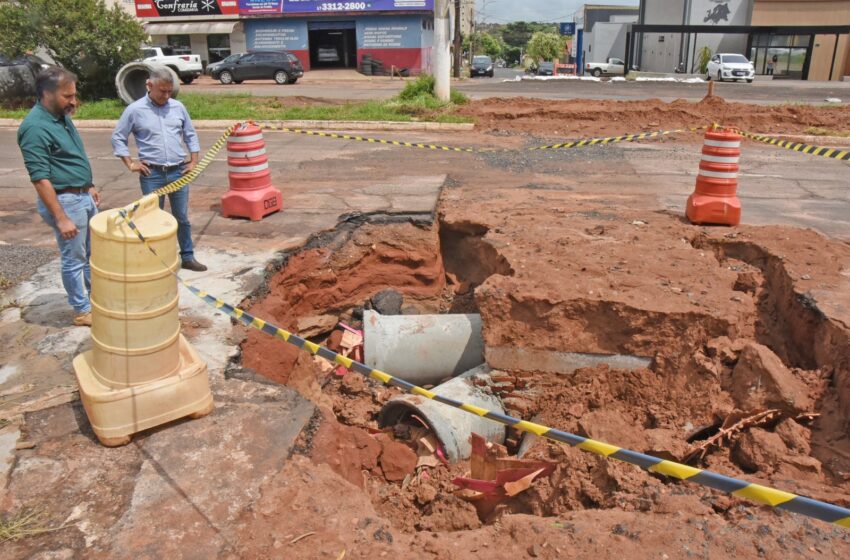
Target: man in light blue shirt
[161, 126]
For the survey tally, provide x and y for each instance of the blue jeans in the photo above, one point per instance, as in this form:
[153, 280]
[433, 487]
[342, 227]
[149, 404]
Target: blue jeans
[75, 252]
[179, 202]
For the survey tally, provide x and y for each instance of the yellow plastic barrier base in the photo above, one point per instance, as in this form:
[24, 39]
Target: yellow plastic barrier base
[117, 414]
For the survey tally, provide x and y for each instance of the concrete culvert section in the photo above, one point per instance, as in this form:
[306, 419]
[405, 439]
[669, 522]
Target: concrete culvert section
[131, 78]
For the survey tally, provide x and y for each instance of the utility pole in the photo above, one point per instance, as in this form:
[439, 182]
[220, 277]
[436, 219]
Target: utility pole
[441, 57]
[458, 38]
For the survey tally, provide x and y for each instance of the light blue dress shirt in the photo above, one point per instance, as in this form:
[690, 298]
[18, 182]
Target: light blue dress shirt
[160, 132]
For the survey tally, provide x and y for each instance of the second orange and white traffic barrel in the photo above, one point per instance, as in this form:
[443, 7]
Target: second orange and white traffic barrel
[715, 199]
[251, 193]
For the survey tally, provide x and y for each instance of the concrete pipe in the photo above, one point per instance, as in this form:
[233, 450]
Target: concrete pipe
[422, 349]
[130, 80]
[452, 427]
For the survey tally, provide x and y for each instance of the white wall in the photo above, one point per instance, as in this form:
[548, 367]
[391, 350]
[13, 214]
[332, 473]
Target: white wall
[609, 40]
[739, 13]
[660, 51]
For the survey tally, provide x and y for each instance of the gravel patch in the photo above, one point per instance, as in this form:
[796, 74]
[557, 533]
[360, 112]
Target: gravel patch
[21, 261]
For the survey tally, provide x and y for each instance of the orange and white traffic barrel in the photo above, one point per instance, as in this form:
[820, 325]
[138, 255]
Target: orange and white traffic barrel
[251, 193]
[715, 199]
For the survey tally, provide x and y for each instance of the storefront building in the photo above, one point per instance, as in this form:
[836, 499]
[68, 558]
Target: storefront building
[811, 56]
[784, 39]
[395, 33]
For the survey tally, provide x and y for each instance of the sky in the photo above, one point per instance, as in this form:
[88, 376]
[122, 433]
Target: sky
[503, 11]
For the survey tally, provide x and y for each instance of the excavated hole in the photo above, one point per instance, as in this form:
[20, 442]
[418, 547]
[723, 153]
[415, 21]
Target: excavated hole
[666, 411]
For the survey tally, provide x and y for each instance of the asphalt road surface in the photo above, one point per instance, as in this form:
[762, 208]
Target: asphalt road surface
[350, 86]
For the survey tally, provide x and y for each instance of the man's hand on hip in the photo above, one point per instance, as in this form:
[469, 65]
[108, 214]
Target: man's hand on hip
[67, 228]
[189, 166]
[95, 196]
[140, 167]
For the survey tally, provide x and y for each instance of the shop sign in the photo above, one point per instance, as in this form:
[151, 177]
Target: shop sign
[171, 8]
[322, 6]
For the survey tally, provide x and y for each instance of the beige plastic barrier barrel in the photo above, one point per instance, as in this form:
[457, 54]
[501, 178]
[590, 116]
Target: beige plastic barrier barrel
[141, 372]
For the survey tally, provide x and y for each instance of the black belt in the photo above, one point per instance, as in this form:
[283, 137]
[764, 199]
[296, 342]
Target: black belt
[77, 190]
[164, 168]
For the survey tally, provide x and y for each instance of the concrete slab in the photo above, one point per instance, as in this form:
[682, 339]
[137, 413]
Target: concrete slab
[174, 489]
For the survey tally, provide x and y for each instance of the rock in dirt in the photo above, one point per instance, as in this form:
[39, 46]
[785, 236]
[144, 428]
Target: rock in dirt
[611, 426]
[449, 513]
[397, 460]
[760, 380]
[759, 450]
[346, 449]
[795, 436]
[354, 384]
[314, 325]
[724, 349]
[387, 302]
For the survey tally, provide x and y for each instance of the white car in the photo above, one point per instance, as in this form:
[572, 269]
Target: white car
[730, 67]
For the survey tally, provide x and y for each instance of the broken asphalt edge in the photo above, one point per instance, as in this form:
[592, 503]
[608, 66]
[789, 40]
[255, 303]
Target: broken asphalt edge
[314, 125]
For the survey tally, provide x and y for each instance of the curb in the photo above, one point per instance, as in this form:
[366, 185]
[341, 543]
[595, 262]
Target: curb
[313, 125]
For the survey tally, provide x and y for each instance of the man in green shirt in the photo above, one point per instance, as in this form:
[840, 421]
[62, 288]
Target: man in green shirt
[59, 169]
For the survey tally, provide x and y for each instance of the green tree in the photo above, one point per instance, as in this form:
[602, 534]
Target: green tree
[704, 58]
[84, 36]
[518, 33]
[512, 55]
[545, 46]
[484, 43]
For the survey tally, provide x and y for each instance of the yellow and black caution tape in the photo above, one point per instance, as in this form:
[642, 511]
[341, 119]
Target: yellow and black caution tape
[192, 175]
[832, 153]
[587, 142]
[614, 139]
[740, 488]
[399, 143]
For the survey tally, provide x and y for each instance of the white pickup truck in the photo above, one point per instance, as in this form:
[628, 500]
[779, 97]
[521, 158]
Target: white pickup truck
[614, 66]
[187, 66]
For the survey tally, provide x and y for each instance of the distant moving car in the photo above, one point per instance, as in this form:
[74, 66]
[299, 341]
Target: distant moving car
[730, 67]
[546, 69]
[212, 67]
[327, 54]
[613, 67]
[281, 66]
[481, 66]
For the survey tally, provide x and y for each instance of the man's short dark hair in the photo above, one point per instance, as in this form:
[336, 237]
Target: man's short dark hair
[51, 78]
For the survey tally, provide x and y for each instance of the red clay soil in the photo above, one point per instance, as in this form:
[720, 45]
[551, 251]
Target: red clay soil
[578, 118]
[737, 322]
[333, 279]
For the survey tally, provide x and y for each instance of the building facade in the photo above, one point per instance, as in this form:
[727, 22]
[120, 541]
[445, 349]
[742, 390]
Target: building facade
[810, 56]
[601, 32]
[785, 39]
[667, 52]
[321, 34]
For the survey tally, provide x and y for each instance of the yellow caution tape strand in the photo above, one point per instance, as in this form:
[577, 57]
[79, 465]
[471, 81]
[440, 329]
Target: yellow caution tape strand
[615, 139]
[740, 488]
[438, 147]
[192, 175]
[832, 153]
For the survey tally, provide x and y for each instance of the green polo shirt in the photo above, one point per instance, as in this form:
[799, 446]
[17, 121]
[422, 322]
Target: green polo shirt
[53, 150]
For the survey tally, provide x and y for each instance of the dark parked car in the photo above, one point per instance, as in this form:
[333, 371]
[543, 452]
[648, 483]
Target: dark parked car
[546, 69]
[281, 66]
[213, 66]
[481, 66]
